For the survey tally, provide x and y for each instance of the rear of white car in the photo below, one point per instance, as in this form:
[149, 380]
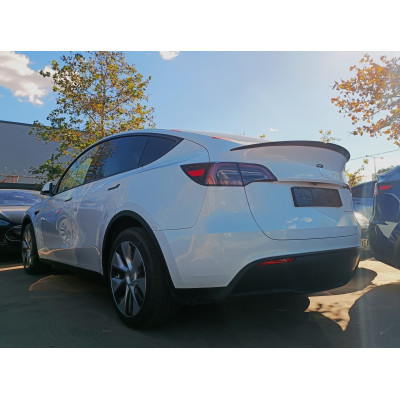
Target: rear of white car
[276, 216]
[223, 214]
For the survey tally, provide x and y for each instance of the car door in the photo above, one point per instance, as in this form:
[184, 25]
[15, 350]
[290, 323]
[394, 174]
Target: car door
[58, 217]
[116, 160]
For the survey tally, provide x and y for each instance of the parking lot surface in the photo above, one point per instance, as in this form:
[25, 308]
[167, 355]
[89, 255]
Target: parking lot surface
[67, 309]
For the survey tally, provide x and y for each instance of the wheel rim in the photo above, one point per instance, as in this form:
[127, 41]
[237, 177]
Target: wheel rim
[27, 248]
[128, 279]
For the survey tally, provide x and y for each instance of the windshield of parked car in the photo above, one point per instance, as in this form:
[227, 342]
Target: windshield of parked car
[16, 198]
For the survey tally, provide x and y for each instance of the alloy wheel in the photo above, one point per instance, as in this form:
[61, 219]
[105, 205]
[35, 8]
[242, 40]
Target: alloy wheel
[128, 278]
[27, 248]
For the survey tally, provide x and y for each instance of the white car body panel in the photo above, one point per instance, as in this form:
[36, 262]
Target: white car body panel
[207, 234]
[221, 243]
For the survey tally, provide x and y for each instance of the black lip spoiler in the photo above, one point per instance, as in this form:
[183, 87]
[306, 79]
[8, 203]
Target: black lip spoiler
[303, 143]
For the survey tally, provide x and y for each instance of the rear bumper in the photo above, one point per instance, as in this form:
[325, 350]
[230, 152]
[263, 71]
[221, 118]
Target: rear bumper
[308, 273]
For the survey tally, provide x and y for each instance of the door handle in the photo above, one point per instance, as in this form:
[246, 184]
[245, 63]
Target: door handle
[114, 187]
[68, 200]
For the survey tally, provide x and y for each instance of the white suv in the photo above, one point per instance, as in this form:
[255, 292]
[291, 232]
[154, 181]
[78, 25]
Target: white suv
[173, 216]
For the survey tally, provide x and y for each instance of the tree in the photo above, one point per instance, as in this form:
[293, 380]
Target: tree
[354, 178]
[382, 170]
[326, 136]
[371, 98]
[97, 95]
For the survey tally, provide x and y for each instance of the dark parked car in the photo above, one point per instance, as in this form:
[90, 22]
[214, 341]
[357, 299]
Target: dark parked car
[13, 205]
[384, 227]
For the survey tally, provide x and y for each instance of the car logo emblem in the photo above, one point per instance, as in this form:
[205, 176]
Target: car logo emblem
[319, 166]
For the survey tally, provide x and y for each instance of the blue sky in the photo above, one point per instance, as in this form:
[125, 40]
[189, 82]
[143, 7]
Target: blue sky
[285, 95]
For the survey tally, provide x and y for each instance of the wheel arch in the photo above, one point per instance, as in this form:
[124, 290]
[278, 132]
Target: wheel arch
[123, 220]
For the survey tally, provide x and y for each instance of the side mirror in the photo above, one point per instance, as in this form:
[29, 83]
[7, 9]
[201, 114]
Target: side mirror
[47, 189]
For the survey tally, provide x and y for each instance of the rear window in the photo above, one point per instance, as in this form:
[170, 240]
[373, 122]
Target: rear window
[156, 148]
[365, 190]
[15, 198]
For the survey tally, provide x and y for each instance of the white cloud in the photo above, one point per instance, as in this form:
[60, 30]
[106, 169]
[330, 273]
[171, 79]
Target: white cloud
[273, 130]
[169, 55]
[24, 82]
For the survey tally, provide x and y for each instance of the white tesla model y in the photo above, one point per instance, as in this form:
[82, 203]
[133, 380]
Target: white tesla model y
[172, 216]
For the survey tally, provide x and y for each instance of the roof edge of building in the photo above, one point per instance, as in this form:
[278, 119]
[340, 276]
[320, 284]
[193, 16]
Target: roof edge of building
[14, 123]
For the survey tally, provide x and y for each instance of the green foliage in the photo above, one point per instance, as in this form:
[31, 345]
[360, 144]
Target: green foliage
[97, 95]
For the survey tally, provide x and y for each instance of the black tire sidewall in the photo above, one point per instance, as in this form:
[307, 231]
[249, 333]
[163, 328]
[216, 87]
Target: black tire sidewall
[35, 265]
[155, 276]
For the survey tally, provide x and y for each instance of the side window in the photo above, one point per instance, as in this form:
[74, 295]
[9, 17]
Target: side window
[369, 189]
[156, 148]
[116, 156]
[356, 191]
[76, 173]
[365, 190]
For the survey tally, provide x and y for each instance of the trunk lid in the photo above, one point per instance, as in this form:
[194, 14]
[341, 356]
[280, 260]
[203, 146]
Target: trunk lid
[310, 199]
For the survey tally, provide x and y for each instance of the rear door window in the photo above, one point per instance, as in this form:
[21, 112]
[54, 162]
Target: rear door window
[116, 156]
[156, 148]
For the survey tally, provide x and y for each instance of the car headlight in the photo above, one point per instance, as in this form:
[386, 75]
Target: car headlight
[3, 222]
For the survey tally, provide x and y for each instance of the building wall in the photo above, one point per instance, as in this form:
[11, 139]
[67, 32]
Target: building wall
[19, 151]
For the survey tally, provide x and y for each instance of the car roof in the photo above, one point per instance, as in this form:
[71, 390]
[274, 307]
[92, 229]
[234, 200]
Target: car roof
[393, 173]
[201, 136]
[364, 183]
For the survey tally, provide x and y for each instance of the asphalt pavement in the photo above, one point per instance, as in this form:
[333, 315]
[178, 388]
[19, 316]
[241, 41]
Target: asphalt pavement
[66, 309]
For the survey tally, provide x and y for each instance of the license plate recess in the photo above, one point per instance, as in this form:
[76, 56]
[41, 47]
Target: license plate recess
[316, 197]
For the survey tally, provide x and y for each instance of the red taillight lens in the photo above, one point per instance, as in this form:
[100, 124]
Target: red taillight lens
[381, 188]
[227, 173]
[278, 261]
[196, 172]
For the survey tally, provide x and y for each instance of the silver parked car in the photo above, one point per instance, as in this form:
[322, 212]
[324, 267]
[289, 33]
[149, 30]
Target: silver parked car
[363, 198]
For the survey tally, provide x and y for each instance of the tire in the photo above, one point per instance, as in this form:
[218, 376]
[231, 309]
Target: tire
[138, 280]
[396, 253]
[30, 257]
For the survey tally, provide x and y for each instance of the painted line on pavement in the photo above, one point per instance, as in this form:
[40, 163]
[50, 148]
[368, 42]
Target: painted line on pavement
[10, 268]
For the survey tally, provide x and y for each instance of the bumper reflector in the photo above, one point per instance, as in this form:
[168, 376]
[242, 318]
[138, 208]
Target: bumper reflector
[278, 261]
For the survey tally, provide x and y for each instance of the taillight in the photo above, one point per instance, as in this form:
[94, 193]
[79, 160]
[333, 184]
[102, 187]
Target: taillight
[196, 172]
[227, 173]
[381, 188]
